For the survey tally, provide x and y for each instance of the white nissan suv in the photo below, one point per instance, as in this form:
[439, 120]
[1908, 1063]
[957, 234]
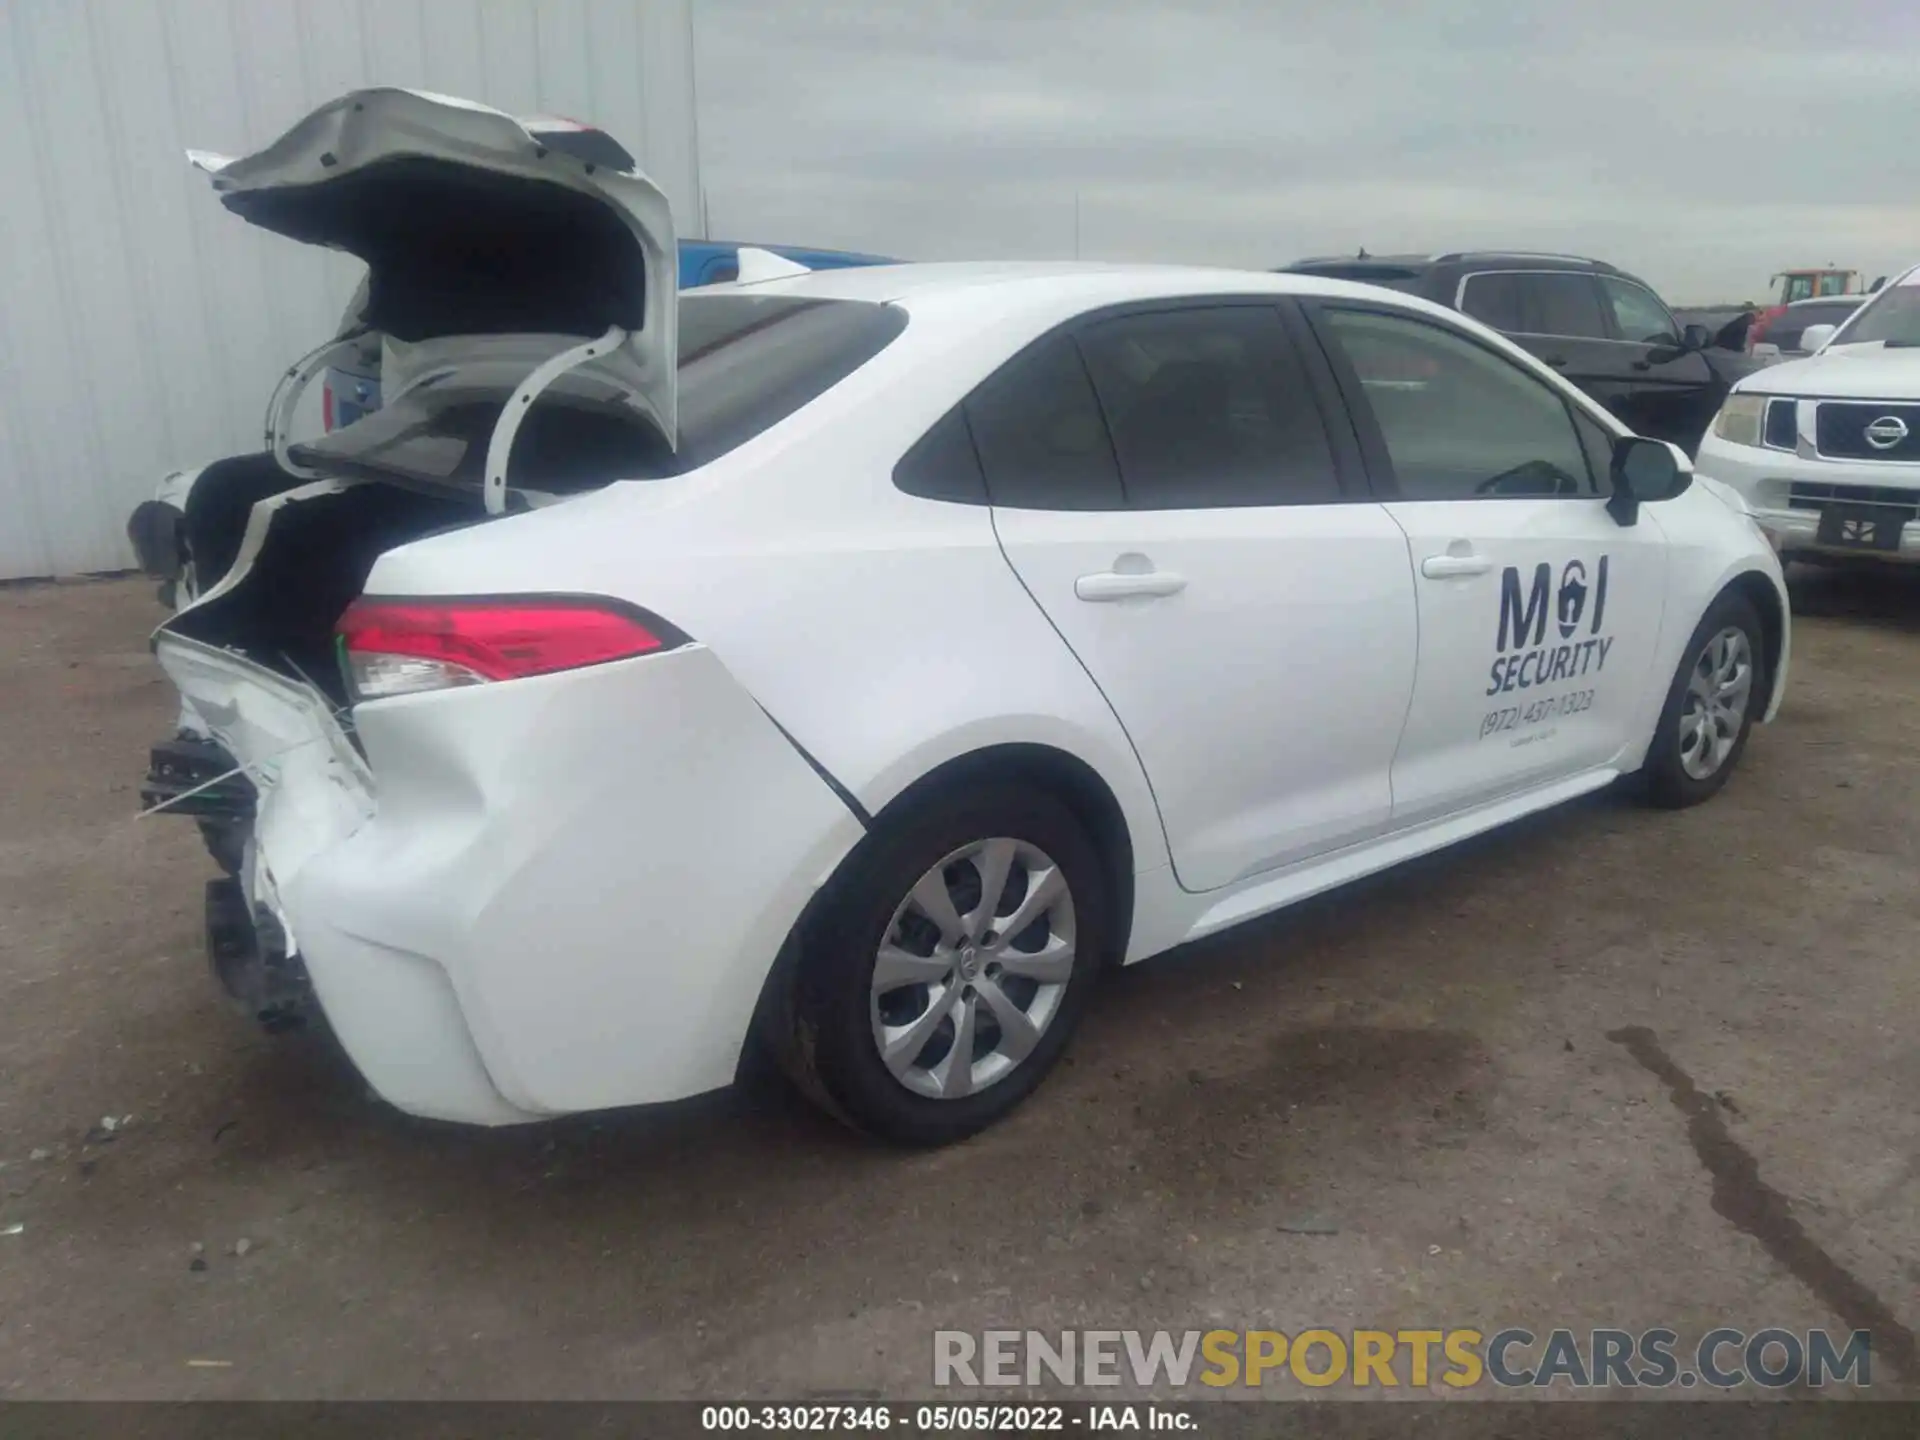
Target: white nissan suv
[1826, 450]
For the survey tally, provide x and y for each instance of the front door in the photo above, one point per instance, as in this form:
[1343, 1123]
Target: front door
[1671, 393]
[1539, 613]
[1164, 485]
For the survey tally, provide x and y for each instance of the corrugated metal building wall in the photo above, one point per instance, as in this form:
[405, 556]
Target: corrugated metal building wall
[141, 326]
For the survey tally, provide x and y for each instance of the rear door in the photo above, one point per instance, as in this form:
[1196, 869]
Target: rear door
[1670, 393]
[1165, 485]
[1554, 314]
[1565, 326]
[1539, 614]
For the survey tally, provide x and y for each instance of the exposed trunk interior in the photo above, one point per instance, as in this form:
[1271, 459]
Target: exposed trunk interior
[747, 362]
[315, 561]
[423, 467]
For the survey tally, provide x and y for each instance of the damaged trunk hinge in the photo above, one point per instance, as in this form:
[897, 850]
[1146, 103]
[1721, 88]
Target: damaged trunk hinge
[293, 384]
[500, 447]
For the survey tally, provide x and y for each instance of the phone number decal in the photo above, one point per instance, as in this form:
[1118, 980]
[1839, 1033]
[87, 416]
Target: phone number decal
[1519, 717]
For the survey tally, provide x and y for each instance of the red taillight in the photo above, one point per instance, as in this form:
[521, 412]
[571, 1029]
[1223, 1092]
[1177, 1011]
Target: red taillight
[326, 408]
[399, 647]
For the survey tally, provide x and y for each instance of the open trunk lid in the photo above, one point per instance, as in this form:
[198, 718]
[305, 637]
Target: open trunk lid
[472, 224]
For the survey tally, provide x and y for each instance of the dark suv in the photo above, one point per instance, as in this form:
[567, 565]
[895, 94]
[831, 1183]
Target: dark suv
[1607, 332]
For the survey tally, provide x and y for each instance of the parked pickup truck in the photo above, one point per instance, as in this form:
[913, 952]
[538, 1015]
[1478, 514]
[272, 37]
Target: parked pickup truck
[1825, 450]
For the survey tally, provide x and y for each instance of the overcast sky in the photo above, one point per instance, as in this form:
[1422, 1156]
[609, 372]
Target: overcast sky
[1701, 143]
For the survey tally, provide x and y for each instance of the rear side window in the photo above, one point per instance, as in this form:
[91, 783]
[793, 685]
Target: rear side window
[1493, 299]
[1561, 302]
[749, 361]
[1209, 406]
[1040, 436]
[943, 465]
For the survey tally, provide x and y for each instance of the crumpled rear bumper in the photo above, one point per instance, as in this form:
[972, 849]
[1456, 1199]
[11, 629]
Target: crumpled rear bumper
[547, 895]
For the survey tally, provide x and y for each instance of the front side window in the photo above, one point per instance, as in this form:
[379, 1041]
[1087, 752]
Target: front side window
[1209, 406]
[1561, 302]
[1459, 422]
[1638, 313]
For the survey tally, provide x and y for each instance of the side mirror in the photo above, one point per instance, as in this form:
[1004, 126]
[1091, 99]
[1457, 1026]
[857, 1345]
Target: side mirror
[1695, 337]
[1644, 473]
[1814, 336]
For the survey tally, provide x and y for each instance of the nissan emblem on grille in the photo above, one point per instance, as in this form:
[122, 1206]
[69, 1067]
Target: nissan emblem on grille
[1886, 432]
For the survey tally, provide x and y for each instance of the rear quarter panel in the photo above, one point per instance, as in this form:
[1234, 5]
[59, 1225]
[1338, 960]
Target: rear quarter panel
[884, 632]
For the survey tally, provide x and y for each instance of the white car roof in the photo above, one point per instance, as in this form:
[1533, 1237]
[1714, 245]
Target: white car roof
[1010, 297]
[1018, 284]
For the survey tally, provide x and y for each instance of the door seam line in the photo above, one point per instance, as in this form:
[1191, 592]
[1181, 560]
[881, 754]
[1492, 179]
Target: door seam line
[844, 795]
[1159, 815]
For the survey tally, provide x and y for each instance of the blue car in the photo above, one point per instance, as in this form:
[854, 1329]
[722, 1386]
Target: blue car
[714, 262]
[352, 390]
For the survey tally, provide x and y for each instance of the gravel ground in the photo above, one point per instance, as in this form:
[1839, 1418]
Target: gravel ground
[1609, 1067]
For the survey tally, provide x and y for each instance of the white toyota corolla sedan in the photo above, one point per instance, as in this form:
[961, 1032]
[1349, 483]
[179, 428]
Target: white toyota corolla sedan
[871, 665]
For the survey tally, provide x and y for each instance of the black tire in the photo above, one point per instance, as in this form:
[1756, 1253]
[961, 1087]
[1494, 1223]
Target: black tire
[821, 1028]
[1665, 780]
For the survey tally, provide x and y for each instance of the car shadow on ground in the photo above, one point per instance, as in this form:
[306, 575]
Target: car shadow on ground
[1155, 1033]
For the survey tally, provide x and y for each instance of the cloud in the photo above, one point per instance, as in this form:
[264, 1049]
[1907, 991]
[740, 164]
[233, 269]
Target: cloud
[1702, 144]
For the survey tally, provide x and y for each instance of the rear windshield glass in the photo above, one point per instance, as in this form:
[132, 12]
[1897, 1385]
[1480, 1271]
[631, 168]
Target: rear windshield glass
[749, 361]
[746, 363]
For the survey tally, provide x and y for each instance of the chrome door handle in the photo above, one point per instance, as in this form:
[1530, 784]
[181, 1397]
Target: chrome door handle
[1112, 585]
[1445, 567]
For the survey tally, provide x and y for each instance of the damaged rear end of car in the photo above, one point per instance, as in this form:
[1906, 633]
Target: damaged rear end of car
[438, 715]
[497, 264]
